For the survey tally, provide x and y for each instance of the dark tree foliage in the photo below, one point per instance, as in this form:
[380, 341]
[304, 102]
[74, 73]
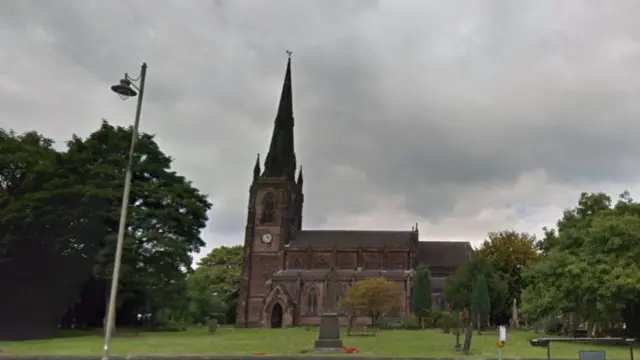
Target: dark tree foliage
[480, 302]
[59, 215]
[459, 288]
[51, 221]
[421, 293]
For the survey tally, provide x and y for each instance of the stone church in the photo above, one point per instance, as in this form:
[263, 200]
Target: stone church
[284, 266]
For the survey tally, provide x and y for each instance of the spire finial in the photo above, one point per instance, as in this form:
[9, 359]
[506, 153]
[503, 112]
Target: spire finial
[289, 52]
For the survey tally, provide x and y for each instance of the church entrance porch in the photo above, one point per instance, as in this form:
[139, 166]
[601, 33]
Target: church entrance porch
[276, 316]
[279, 308]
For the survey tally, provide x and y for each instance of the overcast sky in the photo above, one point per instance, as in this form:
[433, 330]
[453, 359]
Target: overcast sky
[464, 116]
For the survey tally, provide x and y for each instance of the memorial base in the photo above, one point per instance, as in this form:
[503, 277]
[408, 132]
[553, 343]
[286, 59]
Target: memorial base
[329, 335]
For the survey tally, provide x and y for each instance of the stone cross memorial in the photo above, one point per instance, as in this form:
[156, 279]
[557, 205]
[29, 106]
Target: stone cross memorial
[329, 334]
[331, 292]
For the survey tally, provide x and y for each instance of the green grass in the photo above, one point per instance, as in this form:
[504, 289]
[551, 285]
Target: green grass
[230, 341]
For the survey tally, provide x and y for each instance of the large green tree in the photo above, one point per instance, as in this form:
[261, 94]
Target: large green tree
[590, 270]
[421, 293]
[166, 215]
[214, 285]
[51, 224]
[509, 253]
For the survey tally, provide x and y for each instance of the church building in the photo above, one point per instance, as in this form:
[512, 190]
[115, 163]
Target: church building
[284, 266]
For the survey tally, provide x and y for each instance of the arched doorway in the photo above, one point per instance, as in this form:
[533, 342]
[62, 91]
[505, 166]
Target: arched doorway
[276, 316]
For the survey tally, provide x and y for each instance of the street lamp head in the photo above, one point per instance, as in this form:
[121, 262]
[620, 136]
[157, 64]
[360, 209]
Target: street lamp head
[124, 89]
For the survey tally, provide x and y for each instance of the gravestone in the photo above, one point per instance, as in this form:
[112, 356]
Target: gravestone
[515, 322]
[212, 325]
[329, 333]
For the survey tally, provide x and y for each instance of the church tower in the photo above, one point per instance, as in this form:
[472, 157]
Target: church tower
[274, 212]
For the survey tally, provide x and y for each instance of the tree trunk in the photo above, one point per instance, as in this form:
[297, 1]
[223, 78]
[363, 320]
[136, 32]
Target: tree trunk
[591, 328]
[422, 322]
[350, 324]
[478, 323]
[573, 324]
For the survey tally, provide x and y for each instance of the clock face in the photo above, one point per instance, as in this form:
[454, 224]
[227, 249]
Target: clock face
[266, 238]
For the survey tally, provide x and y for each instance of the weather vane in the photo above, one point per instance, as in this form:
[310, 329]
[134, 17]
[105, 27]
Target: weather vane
[289, 52]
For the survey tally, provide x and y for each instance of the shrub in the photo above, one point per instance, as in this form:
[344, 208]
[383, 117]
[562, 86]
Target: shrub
[219, 317]
[446, 322]
[408, 323]
[553, 325]
[431, 318]
[167, 326]
[411, 323]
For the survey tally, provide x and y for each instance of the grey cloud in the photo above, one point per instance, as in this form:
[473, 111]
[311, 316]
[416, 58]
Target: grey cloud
[416, 99]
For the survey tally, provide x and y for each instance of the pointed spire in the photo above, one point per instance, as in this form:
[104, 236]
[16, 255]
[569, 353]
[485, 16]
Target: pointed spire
[256, 169]
[300, 179]
[281, 158]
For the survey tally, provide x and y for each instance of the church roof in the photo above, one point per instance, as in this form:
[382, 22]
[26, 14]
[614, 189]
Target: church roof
[444, 253]
[352, 238]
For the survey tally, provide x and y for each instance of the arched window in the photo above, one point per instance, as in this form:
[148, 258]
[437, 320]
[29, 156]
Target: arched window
[312, 301]
[268, 209]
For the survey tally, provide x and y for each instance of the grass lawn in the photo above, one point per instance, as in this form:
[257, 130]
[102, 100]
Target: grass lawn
[230, 341]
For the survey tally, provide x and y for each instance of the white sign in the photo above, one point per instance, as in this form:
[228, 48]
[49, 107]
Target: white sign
[503, 333]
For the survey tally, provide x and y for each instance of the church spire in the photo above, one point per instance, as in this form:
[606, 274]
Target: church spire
[281, 158]
[256, 169]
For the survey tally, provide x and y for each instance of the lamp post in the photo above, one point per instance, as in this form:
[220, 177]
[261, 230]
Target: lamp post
[125, 89]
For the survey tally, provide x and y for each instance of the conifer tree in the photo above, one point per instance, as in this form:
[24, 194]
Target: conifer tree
[421, 294]
[480, 302]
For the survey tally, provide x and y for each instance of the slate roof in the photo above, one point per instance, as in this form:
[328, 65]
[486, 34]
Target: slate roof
[444, 253]
[352, 238]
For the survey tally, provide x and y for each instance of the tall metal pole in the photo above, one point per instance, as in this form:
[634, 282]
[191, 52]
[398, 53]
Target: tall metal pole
[122, 226]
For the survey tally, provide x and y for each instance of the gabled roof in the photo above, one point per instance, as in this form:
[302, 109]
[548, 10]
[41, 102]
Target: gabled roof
[352, 238]
[444, 253]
